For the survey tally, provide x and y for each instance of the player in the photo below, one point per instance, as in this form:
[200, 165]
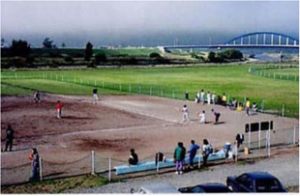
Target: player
[247, 106]
[95, 96]
[217, 116]
[185, 112]
[58, 107]
[37, 97]
[202, 117]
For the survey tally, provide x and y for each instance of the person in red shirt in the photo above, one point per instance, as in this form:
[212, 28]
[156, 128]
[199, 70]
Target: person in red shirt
[59, 107]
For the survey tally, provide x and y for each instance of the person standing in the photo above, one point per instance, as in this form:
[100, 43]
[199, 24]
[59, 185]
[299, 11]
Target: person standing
[247, 106]
[224, 100]
[213, 98]
[185, 113]
[207, 150]
[217, 116]
[58, 107]
[37, 97]
[202, 96]
[202, 117]
[35, 164]
[198, 97]
[133, 158]
[9, 138]
[178, 158]
[192, 152]
[95, 96]
[208, 97]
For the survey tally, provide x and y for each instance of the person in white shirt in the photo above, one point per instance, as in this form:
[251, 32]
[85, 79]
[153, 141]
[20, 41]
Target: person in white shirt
[208, 97]
[202, 96]
[202, 117]
[213, 98]
[185, 113]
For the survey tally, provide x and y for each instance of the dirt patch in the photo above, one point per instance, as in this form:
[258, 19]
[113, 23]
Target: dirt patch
[88, 144]
[32, 121]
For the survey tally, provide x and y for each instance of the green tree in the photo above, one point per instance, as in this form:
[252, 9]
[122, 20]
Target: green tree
[88, 51]
[47, 43]
[211, 56]
[2, 42]
[20, 48]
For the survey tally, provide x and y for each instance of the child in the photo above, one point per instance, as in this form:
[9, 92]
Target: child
[36, 97]
[185, 112]
[202, 117]
[208, 97]
[247, 106]
[95, 96]
[58, 107]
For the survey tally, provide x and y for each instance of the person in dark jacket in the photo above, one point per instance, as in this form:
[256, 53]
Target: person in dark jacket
[35, 164]
[9, 138]
[179, 155]
[133, 158]
[192, 152]
[217, 115]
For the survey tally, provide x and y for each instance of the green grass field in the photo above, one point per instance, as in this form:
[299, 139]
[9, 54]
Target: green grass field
[234, 80]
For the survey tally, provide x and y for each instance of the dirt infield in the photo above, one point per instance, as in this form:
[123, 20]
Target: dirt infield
[113, 126]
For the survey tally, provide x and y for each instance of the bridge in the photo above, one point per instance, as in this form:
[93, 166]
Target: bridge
[250, 40]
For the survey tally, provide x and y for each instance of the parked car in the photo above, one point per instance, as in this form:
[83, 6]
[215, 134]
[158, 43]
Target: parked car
[255, 182]
[206, 188]
[156, 188]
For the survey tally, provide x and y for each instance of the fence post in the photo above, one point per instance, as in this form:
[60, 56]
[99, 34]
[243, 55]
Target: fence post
[236, 152]
[41, 168]
[93, 163]
[109, 169]
[249, 136]
[294, 136]
[173, 94]
[282, 110]
[259, 139]
[199, 161]
[269, 143]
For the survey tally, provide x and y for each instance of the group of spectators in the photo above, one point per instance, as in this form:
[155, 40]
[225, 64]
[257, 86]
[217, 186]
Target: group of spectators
[179, 155]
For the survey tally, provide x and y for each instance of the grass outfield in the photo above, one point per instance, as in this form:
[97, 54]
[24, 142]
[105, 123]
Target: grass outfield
[234, 80]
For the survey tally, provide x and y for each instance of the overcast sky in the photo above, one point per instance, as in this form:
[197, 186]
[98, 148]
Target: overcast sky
[141, 22]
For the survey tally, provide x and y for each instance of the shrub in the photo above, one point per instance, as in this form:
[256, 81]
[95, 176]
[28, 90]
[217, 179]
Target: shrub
[154, 55]
[100, 57]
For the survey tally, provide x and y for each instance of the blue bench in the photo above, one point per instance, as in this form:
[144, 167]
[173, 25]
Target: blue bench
[150, 165]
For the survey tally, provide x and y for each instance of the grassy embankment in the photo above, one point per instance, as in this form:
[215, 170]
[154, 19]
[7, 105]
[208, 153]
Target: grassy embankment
[56, 186]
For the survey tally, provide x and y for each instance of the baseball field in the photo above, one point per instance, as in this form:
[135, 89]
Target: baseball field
[138, 108]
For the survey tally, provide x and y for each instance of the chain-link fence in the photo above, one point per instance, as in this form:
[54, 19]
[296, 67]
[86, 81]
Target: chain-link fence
[94, 163]
[279, 137]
